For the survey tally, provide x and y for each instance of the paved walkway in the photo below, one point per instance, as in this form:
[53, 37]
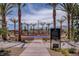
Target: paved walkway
[36, 48]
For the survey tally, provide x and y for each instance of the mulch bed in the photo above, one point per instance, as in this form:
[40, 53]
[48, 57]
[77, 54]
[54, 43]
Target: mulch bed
[16, 51]
[54, 53]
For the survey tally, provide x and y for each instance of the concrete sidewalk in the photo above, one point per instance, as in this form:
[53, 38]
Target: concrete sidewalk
[36, 48]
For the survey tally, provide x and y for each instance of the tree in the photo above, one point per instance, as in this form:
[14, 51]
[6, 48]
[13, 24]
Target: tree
[48, 25]
[61, 21]
[33, 27]
[75, 24]
[27, 28]
[74, 12]
[14, 21]
[54, 5]
[42, 24]
[68, 7]
[19, 5]
[19, 21]
[5, 9]
[24, 26]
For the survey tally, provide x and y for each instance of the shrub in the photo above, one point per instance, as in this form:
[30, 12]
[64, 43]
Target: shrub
[56, 49]
[72, 50]
[4, 52]
[3, 31]
[65, 52]
[45, 39]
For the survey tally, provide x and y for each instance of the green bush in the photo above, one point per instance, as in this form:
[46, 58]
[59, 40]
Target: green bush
[3, 31]
[56, 49]
[72, 50]
[65, 52]
[4, 52]
[45, 39]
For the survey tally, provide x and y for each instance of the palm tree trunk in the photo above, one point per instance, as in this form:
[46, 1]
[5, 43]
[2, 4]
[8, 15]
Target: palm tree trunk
[4, 36]
[27, 30]
[54, 17]
[61, 27]
[48, 29]
[19, 23]
[60, 31]
[14, 28]
[72, 26]
[68, 16]
[42, 29]
[33, 30]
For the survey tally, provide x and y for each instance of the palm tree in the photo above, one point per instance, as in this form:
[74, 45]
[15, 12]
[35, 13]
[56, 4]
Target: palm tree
[33, 27]
[14, 21]
[54, 5]
[24, 26]
[68, 7]
[0, 23]
[42, 24]
[75, 13]
[48, 26]
[5, 9]
[61, 21]
[27, 28]
[19, 5]
[19, 21]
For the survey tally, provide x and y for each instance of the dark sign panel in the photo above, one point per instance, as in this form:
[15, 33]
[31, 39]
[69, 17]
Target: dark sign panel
[55, 34]
[55, 45]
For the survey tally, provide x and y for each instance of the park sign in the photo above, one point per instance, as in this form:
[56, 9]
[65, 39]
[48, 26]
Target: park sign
[55, 34]
[55, 38]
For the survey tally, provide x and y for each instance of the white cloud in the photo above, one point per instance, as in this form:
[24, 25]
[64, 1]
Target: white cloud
[44, 15]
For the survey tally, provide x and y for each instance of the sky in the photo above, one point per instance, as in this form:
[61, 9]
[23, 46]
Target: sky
[31, 13]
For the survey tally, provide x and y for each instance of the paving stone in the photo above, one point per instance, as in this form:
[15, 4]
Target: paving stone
[36, 48]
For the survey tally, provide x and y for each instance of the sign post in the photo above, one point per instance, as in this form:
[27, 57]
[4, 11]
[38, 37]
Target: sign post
[55, 37]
